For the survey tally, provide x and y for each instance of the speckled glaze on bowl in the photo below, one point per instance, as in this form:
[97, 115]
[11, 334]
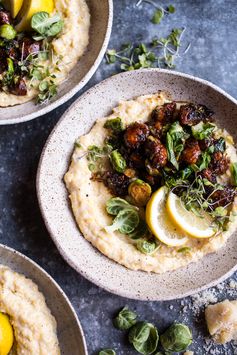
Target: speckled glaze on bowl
[101, 24]
[54, 204]
[69, 330]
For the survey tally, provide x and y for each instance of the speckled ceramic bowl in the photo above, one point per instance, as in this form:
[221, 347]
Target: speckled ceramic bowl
[101, 24]
[54, 204]
[70, 333]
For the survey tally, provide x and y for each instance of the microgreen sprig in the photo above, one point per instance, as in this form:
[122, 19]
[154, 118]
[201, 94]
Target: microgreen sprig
[159, 12]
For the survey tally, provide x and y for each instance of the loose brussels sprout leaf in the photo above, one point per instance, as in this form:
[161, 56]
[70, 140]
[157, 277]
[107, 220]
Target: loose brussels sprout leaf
[140, 231]
[176, 338]
[118, 162]
[140, 191]
[107, 352]
[220, 145]
[115, 205]
[147, 246]
[234, 173]
[45, 25]
[125, 222]
[170, 150]
[202, 130]
[204, 161]
[125, 319]
[144, 337]
[115, 124]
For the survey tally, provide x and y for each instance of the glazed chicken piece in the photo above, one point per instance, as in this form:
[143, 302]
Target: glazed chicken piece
[19, 88]
[223, 197]
[29, 46]
[117, 183]
[219, 163]
[206, 143]
[3, 60]
[156, 152]
[160, 116]
[191, 114]
[191, 151]
[136, 160]
[135, 135]
[209, 175]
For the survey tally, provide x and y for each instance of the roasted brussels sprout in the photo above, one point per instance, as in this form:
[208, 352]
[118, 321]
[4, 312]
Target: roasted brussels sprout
[140, 192]
[176, 338]
[115, 124]
[7, 32]
[118, 162]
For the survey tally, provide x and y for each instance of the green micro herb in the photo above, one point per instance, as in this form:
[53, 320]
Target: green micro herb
[96, 156]
[162, 52]
[125, 319]
[159, 12]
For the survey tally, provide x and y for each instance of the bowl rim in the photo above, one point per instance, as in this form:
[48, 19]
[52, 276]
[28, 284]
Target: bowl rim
[51, 106]
[64, 255]
[48, 276]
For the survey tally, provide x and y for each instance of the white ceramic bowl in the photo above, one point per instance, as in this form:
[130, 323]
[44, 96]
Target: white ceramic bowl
[53, 199]
[70, 333]
[101, 24]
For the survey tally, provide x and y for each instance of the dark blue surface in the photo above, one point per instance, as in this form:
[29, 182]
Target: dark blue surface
[211, 29]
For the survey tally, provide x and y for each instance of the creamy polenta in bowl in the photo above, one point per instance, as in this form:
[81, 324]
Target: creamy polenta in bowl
[153, 185]
[41, 42]
[36, 317]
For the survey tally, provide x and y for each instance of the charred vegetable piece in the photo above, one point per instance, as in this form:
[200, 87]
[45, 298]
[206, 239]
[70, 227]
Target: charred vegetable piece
[140, 192]
[191, 152]
[220, 145]
[164, 114]
[117, 161]
[19, 88]
[115, 124]
[28, 46]
[7, 32]
[135, 135]
[136, 160]
[191, 114]
[208, 174]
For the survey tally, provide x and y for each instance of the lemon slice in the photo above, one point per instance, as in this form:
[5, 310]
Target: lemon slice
[6, 335]
[29, 8]
[159, 222]
[195, 226]
[13, 6]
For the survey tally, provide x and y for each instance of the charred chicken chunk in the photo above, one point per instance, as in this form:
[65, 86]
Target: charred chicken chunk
[3, 60]
[209, 175]
[135, 135]
[136, 160]
[29, 46]
[164, 113]
[156, 152]
[5, 18]
[222, 198]
[117, 183]
[219, 163]
[19, 88]
[191, 151]
[191, 114]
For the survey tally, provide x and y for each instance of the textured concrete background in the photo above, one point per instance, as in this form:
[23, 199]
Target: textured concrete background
[211, 29]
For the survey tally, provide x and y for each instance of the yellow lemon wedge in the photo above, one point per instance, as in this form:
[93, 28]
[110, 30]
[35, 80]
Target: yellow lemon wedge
[13, 6]
[189, 222]
[159, 222]
[6, 335]
[29, 8]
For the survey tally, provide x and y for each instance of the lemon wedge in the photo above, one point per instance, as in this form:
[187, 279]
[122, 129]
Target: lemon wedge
[6, 335]
[193, 225]
[29, 8]
[159, 222]
[13, 6]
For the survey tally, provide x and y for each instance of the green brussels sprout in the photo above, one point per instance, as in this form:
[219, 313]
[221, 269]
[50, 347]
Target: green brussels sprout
[147, 246]
[140, 191]
[118, 162]
[176, 338]
[144, 337]
[125, 319]
[115, 124]
[7, 32]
